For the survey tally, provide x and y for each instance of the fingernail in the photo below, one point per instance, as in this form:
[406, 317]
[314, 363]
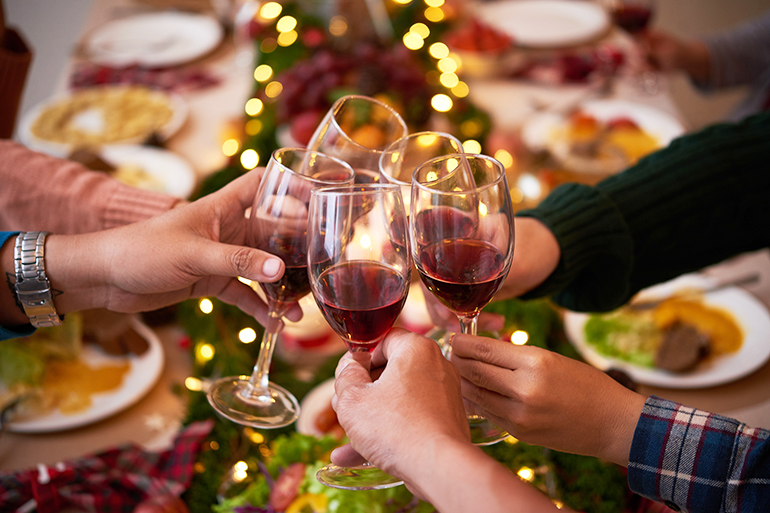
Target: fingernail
[271, 267]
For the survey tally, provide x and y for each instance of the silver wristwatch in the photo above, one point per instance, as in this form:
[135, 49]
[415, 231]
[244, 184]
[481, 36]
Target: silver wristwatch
[32, 286]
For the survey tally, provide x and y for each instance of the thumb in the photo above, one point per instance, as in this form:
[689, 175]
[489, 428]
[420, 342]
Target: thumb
[218, 259]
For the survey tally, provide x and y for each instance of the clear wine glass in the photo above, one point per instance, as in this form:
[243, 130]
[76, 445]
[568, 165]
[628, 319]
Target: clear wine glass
[634, 16]
[278, 225]
[399, 160]
[357, 129]
[462, 242]
[360, 270]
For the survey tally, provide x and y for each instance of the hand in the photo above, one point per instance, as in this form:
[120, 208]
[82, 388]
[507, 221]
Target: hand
[416, 396]
[665, 52]
[536, 255]
[547, 399]
[192, 251]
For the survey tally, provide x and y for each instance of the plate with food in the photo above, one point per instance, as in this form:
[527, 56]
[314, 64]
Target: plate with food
[546, 23]
[96, 116]
[65, 380]
[679, 334]
[316, 415]
[153, 40]
[601, 136]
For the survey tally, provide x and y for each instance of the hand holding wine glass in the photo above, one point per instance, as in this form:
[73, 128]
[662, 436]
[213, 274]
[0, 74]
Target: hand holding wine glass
[278, 225]
[462, 238]
[357, 129]
[360, 270]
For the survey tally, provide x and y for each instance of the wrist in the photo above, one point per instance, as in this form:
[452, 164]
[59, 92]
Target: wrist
[695, 60]
[75, 272]
[11, 311]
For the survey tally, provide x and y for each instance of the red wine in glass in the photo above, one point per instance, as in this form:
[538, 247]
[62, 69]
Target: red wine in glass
[294, 284]
[463, 274]
[631, 17]
[361, 301]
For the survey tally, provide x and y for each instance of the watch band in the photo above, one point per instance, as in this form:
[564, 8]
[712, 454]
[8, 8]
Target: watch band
[32, 286]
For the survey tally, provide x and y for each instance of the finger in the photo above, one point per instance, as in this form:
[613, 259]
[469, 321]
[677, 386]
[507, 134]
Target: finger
[346, 456]
[349, 373]
[501, 380]
[481, 401]
[488, 350]
[214, 258]
[389, 346]
[245, 187]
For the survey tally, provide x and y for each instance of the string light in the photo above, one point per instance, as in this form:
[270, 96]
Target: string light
[204, 352]
[287, 38]
[421, 29]
[239, 471]
[206, 306]
[338, 26]
[247, 335]
[526, 473]
[447, 65]
[519, 337]
[253, 127]
[471, 146]
[254, 106]
[249, 159]
[505, 158]
[263, 73]
[193, 384]
[461, 90]
[434, 14]
[273, 89]
[230, 147]
[441, 103]
[438, 50]
[449, 80]
[434, 3]
[413, 41]
[286, 24]
[271, 10]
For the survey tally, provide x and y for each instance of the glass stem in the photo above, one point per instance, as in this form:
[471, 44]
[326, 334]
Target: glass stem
[260, 379]
[364, 358]
[469, 325]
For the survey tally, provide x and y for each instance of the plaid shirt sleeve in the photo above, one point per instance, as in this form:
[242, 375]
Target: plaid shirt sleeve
[696, 461]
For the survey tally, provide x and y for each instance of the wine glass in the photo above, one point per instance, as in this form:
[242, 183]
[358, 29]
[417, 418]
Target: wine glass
[278, 225]
[399, 160]
[360, 269]
[462, 242]
[633, 16]
[357, 129]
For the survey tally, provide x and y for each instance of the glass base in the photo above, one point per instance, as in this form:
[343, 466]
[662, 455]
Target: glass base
[484, 432]
[364, 477]
[230, 397]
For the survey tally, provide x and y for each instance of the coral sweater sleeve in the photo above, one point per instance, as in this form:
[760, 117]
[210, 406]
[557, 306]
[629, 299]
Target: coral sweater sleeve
[40, 192]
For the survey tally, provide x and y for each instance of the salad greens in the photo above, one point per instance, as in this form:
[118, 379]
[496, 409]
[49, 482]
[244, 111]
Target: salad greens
[632, 338]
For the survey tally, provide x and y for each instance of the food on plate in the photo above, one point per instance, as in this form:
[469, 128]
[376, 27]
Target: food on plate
[477, 36]
[47, 368]
[676, 336]
[327, 423]
[609, 146]
[103, 115]
[135, 176]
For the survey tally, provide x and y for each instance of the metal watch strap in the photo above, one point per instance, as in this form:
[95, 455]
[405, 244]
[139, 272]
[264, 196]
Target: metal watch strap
[32, 286]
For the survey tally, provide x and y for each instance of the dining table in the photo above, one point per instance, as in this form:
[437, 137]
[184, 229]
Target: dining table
[153, 420]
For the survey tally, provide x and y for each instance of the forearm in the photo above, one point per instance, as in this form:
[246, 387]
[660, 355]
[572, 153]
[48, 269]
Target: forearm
[45, 193]
[695, 203]
[455, 476]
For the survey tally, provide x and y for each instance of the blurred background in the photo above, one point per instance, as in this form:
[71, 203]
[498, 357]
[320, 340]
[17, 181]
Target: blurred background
[48, 23]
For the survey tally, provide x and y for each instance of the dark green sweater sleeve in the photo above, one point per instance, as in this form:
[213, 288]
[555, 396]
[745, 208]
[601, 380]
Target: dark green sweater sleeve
[701, 200]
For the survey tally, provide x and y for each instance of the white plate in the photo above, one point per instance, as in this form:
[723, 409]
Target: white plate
[179, 112]
[541, 131]
[144, 372]
[315, 402]
[171, 170]
[546, 23]
[153, 40]
[751, 315]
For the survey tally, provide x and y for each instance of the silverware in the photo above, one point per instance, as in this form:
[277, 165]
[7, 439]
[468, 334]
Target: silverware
[652, 303]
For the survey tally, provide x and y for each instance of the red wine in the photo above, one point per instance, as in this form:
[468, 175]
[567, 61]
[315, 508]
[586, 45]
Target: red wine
[361, 300]
[463, 274]
[441, 223]
[632, 18]
[294, 284]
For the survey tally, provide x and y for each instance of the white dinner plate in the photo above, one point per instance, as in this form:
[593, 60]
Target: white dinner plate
[172, 172]
[315, 402]
[144, 372]
[542, 131]
[91, 119]
[751, 315]
[546, 23]
[153, 40]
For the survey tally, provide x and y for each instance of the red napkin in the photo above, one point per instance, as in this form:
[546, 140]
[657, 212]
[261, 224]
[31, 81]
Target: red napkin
[113, 481]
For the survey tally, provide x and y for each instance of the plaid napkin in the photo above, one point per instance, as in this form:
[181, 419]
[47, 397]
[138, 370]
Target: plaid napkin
[113, 481]
[172, 79]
